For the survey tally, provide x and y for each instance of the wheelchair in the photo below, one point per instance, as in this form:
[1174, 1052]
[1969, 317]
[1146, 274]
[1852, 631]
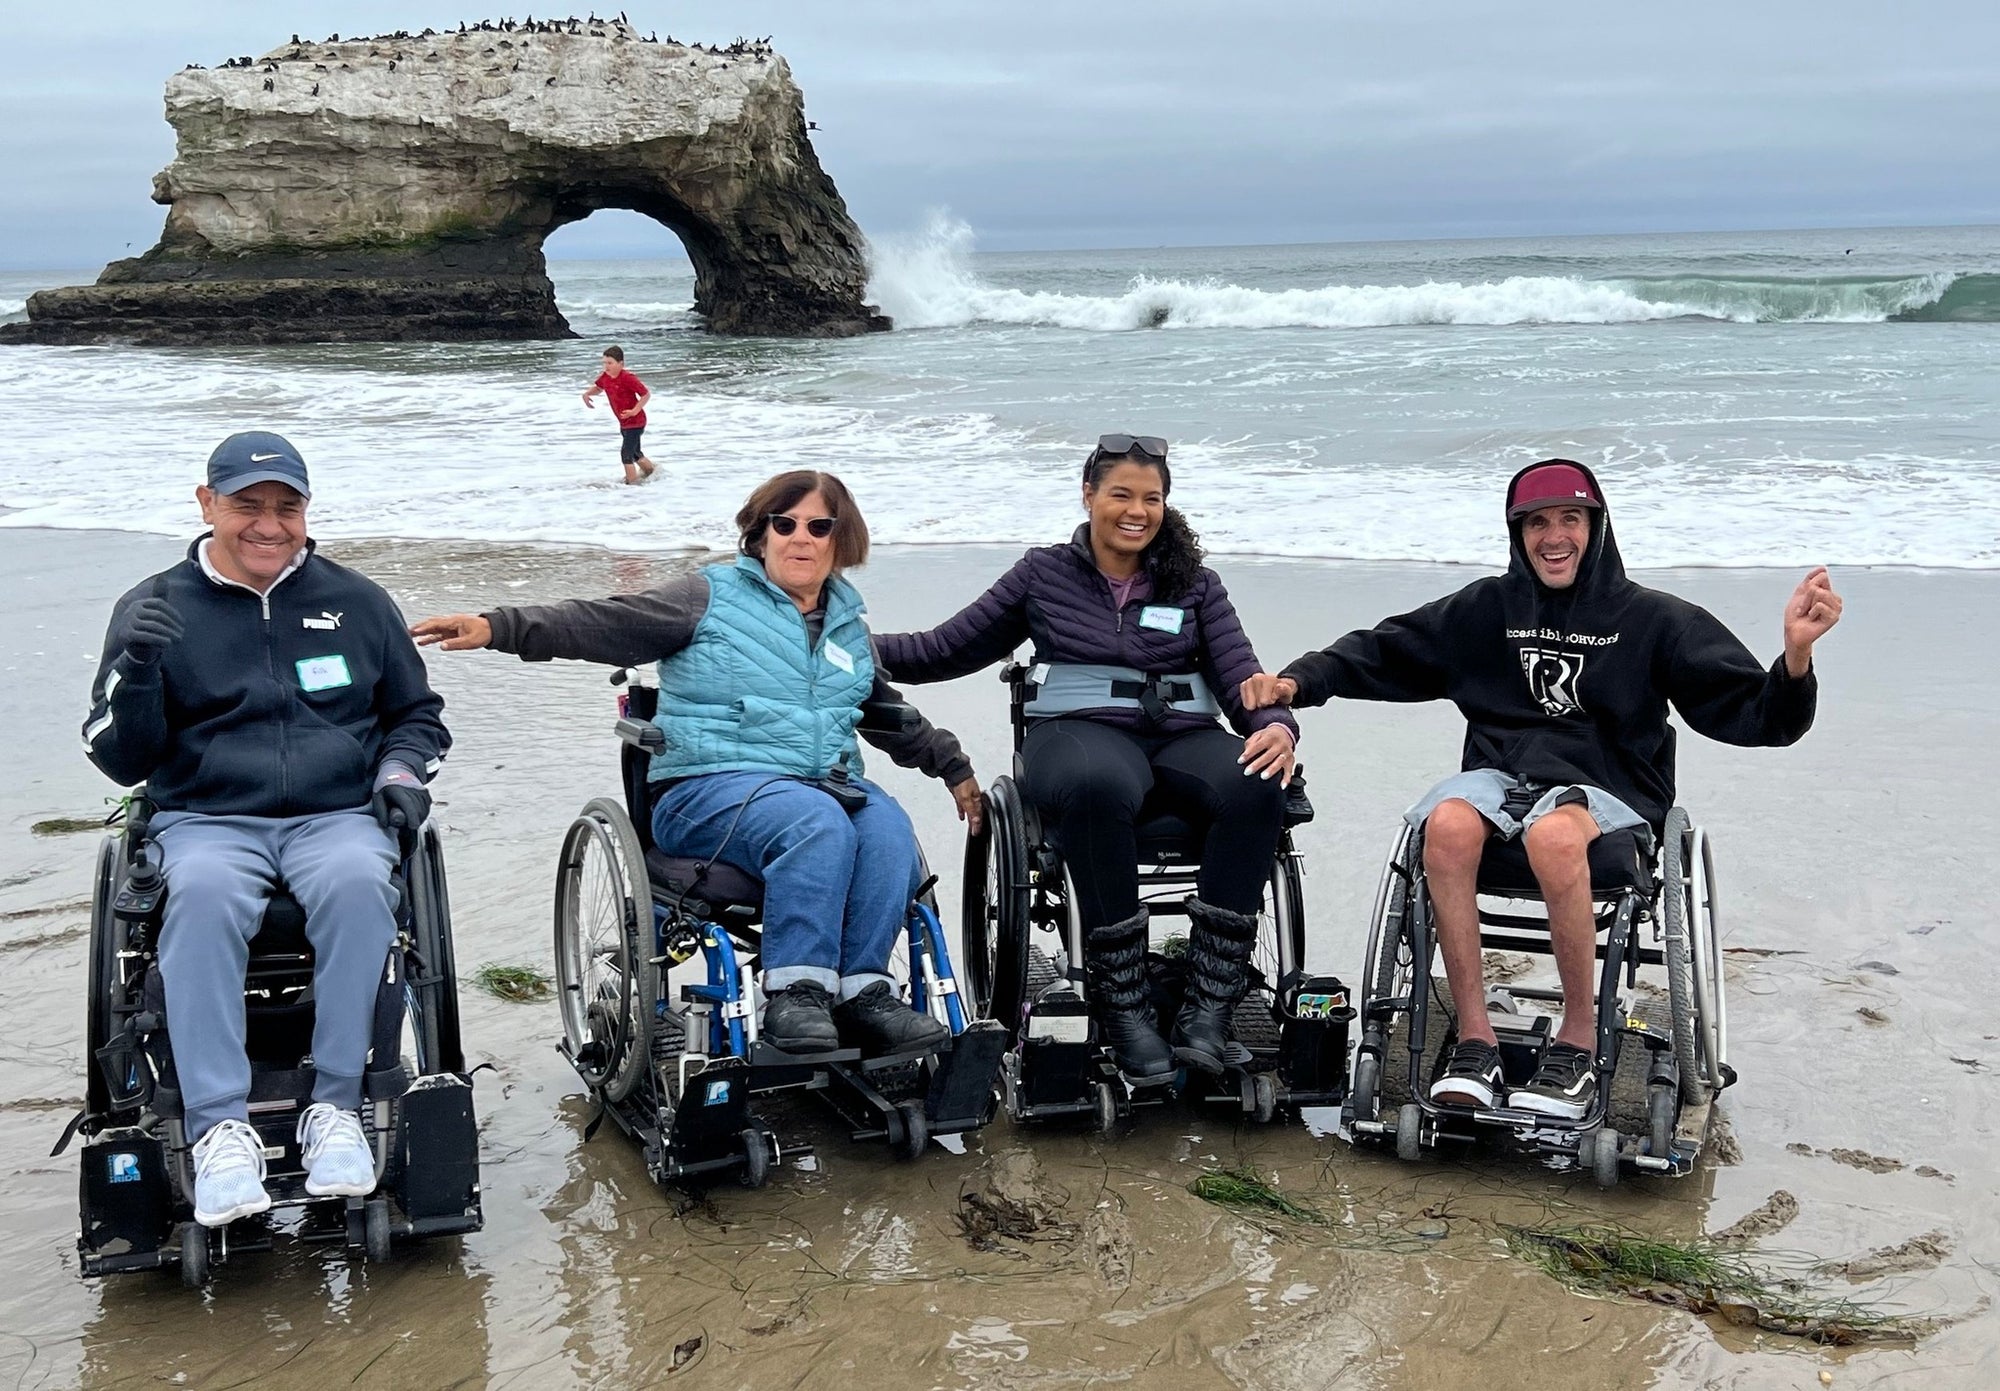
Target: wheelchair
[1661, 1052]
[137, 1191]
[1290, 1031]
[679, 1073]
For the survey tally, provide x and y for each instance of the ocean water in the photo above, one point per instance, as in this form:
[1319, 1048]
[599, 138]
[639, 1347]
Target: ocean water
[1748, 399]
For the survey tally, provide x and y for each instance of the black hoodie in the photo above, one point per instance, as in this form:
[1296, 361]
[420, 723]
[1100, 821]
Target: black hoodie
[1570, 685]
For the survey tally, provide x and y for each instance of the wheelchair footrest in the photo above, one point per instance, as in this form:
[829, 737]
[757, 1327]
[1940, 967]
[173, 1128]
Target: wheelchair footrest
[961, 1090]
[705, 1132]
[437, 1172]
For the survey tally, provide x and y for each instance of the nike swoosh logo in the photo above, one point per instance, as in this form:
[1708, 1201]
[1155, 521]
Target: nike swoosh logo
[264, 458]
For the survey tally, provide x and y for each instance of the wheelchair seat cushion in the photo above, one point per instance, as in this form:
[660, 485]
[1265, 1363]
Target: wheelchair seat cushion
[1618, 861]
[720, 886]
[283, 931]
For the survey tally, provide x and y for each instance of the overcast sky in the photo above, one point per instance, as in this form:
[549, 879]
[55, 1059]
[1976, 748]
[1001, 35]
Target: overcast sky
[1105, 123]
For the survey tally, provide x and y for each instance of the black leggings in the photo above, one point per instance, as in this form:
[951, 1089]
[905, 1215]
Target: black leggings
[1088, 779]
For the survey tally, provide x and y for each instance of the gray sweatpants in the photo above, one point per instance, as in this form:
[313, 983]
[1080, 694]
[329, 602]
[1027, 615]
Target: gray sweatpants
[221, 872]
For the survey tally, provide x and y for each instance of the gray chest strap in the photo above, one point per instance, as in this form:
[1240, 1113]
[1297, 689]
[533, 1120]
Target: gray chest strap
[1062, 688]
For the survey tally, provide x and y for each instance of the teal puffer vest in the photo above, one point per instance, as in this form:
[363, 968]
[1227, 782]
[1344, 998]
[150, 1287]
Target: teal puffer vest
[747, 695]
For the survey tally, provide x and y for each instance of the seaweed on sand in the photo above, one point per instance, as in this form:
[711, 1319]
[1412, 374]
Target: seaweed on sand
[521, 984]
[1244, 1191]
[1704, 1278]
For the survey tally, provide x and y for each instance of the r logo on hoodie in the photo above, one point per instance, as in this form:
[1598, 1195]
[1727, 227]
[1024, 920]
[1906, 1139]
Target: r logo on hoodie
[1552, 678]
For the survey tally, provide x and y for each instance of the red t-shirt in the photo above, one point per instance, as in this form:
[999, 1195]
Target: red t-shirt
[622, 391]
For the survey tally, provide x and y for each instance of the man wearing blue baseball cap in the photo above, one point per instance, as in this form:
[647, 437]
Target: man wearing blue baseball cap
[281, 719]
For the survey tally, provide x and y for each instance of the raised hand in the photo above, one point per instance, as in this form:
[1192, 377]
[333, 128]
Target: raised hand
[457, 632]
[148, 629]
[1265, 689]
[1812, 610]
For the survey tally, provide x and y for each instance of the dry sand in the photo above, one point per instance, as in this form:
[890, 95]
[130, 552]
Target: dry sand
[1858, 882]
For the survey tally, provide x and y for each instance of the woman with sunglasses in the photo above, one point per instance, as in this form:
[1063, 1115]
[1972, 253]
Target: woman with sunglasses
[764, 665]
[1137, 650]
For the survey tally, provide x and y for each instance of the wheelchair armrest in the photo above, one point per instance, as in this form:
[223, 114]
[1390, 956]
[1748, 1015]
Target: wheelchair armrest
[642, 734]
[888, 717]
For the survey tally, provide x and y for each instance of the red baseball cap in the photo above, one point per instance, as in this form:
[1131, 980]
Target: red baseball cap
[1552, 483]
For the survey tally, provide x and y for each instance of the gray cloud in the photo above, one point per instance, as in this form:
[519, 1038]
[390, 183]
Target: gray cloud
[1162, 123]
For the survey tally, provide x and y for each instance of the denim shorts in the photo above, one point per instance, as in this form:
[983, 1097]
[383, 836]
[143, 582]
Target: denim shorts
[1487, 790]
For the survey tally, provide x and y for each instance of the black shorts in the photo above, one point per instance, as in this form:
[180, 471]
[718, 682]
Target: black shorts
[630, 451]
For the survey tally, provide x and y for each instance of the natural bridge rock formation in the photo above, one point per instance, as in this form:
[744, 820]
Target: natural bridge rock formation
[401, 187]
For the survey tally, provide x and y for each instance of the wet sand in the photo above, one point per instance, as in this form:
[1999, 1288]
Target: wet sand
[1857, 889]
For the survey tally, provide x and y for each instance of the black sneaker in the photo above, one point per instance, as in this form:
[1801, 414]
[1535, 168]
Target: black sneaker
[1472, 1078]
[799, 1019]
[878, 1023]
[1564, 1085]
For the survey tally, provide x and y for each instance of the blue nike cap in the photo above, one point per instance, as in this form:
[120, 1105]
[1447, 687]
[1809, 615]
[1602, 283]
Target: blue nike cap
[256, 456]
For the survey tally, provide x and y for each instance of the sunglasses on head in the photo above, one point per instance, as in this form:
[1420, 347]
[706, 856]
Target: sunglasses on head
[819, 528]
[1151, 446]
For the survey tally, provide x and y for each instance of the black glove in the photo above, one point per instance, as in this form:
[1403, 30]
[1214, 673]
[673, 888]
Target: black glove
[148, 629]
[400, 806]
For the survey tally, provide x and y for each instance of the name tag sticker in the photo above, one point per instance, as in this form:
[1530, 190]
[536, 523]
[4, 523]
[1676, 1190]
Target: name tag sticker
[1165, 619]
[838, 655]
[324, 673]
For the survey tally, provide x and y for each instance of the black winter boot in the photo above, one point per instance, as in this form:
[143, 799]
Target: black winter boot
[1219, 949]
[1114, 964]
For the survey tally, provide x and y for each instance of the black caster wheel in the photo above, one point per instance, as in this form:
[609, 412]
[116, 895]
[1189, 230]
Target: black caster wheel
[1107, 1108]
[1410, 1132]
[756, 1159]
[1367, 1090]
[1660, 1107]
[916, 1136]
[1263, 1097]
[375, 1236]
[194, 1255]
[1603, 1156]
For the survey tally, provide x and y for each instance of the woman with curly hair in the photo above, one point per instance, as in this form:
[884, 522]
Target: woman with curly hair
[1137, 651]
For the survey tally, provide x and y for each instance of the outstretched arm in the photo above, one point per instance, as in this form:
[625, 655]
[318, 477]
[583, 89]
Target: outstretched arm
[618, 631]
[1725, 693]
[932, 751]
[1401, 658]
[977, 636]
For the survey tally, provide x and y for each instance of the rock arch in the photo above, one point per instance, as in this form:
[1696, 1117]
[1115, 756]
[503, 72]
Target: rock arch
[401, 187]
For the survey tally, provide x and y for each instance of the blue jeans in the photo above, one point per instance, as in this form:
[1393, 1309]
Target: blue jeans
[837, 888]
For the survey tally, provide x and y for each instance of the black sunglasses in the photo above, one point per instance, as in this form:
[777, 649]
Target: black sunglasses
[818, 528]
[1111, 446]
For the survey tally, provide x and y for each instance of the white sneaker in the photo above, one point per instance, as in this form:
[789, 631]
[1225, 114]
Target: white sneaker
[339, 1163]
[228, 1174]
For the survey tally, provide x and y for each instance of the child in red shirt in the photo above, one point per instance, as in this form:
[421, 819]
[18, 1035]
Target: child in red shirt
[628, 397]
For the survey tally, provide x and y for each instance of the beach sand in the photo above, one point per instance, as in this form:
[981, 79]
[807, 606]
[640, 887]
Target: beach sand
[1857, 889]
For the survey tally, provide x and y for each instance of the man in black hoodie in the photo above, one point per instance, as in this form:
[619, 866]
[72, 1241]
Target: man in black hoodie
[279, 715]
[1563, 669]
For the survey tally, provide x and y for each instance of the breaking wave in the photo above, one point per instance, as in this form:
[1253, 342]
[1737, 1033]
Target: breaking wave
[928, 282]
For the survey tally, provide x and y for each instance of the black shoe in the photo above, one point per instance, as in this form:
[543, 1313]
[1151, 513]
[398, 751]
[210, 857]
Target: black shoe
[1114, 963]
[1219, 946]
[1472, 1078]
[1564, 1085]
[799, 1019]
[878, 1023]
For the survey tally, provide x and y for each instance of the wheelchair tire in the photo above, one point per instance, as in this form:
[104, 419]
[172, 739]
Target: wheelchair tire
[756, 1159]
[1711, 1004]
[914, 1135]
[1386, 934]
[1365, 1094]
[194, 1255]
[434, 1016]
[1107, 1108]
[1410, 1132]
[375, 1227]
[107, 941]
[1288, 917]
[1602, 1146]
[604, 920]
[996, 904]
[1675, 891]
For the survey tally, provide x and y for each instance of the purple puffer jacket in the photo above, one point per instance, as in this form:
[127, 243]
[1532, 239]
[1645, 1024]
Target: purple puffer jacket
[1056, 597]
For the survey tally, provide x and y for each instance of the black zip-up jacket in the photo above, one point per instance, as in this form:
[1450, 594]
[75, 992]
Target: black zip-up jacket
[1570, 685]
[1056, 597]
[281, 704]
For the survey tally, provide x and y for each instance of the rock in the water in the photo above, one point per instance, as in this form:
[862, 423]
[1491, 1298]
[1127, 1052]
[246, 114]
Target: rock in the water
[401, 188]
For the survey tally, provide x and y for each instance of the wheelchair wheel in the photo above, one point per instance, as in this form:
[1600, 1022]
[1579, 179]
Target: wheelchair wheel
[434, 994]
[194, 1255]
[1711, 1003]
[1388, 963]
[1676, 892]
[607, 979]
[996, 906]
[107, 984]
[1287, 919]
